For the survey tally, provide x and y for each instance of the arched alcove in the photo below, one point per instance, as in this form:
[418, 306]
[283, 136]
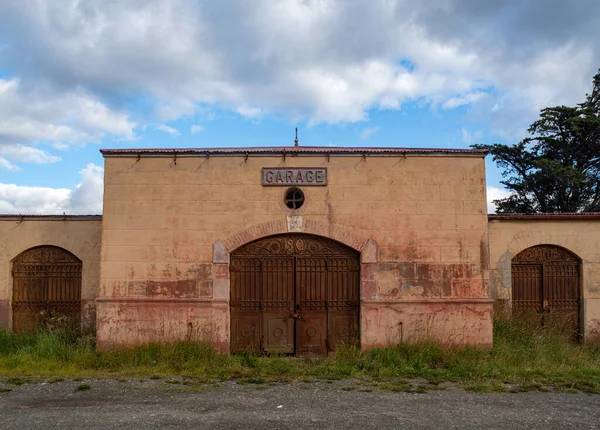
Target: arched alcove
[294, 294]
[46, 282]
[546, 280]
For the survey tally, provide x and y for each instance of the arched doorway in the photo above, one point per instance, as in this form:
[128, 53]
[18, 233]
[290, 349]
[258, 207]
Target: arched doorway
[294, 294]
[46, 282]
[545, 280]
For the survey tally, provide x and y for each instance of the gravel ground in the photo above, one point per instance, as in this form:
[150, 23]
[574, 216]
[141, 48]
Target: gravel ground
[188, 404]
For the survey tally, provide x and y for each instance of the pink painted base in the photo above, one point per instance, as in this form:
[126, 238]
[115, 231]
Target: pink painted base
[447, 322]
[126, 322]
[123, 322]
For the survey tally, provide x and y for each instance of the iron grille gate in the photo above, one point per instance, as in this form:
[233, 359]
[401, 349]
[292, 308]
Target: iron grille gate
[294, 294]
[545, 281]
[46, 281]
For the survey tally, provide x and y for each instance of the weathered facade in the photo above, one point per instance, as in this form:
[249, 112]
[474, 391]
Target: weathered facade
[416, 220]
[32, 241]
[295, 250]
[555, 259]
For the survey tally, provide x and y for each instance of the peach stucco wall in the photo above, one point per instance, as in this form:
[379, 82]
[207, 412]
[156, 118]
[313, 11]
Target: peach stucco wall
[582, 237]
[419, 221]
[80, 236]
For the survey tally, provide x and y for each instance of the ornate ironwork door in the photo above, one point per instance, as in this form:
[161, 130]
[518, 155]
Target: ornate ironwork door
[46, 282]
[294, 294]
[343, 300]
[545, 279]
[311, 305]
[277, 303]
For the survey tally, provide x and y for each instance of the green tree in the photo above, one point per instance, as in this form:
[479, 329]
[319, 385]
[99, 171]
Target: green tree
[556, 168]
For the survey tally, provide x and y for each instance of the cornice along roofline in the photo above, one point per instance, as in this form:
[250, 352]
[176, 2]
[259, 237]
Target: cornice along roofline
[291, 151]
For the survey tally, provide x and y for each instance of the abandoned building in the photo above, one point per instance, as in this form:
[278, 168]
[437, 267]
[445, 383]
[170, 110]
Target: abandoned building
[297, 250]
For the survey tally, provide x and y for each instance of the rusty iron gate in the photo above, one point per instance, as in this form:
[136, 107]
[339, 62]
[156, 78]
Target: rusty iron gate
[545, 281]
[294, 294]
[46, 282]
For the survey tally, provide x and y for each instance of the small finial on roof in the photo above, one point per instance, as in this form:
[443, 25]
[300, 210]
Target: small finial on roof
[296, 141]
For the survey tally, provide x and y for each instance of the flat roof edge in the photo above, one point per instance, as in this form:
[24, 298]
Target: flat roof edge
[290, 151]
[545, 217]
[25, 217]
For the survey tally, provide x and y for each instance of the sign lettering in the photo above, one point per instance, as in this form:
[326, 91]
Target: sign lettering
[277, 176]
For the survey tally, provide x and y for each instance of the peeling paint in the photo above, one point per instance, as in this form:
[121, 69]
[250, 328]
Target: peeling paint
[143, 323]
[183, 224]
[408, 279]
[385, 325]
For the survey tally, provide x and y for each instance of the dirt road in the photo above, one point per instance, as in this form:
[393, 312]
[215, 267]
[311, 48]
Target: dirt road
[111, 404]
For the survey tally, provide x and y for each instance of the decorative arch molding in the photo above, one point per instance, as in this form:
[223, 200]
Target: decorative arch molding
[295, 244]
[295, 224]
[34, 245]
[222, 249]
[513, 254]
[49, 254]
[547, 253]
[517, 246]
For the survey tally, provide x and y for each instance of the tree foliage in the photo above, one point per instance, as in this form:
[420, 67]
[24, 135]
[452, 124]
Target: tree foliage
[556, 168]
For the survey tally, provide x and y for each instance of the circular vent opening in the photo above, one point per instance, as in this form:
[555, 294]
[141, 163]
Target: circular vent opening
[294, 198]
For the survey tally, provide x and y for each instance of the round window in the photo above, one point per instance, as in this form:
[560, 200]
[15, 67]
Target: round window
[294, 198]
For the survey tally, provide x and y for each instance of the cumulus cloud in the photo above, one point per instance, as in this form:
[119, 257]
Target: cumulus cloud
[30, 115]
[22, 153]
[495, 193]
[320, 60]
[368, 132]
[16, 199]
[85, 198]
[169, 130]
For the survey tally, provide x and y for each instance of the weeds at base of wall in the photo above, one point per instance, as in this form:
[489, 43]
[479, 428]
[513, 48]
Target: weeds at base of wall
[524, 358]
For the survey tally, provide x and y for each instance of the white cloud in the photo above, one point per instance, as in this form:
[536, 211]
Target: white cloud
[169, 130]
[18, 199]
[495, 193]
[195, 129]
[30, 115]
[7, 165]
[471, 137]
[249, 111]
[85, 198]
[368, 132]
[462, 100]
[321, 60]
[34, 115]
[60, 146]
[27, 154]
[9, 154]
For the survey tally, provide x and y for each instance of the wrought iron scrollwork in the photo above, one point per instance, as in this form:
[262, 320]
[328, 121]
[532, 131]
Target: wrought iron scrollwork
[294, 244]
[544, 254]
[46, 255]
[46, 282]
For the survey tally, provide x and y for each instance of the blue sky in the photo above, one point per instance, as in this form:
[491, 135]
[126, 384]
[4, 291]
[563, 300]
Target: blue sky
[77, 76]
[413, 126]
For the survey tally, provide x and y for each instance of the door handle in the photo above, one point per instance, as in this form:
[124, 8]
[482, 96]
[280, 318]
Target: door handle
[296, 316]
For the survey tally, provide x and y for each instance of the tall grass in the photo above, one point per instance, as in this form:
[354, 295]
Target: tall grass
[520, 351]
